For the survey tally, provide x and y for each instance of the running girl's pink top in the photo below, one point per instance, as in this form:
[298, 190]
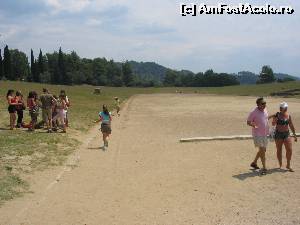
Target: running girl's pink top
[260, 118]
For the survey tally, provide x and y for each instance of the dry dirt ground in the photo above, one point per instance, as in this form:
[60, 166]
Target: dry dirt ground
[148, 177]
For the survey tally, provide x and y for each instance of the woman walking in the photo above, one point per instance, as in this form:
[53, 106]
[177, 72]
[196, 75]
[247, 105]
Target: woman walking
[20, 108]
[283, 121]
[12, 103]
[33, 109]
[105, 119]
[67, 100]
[61, 114]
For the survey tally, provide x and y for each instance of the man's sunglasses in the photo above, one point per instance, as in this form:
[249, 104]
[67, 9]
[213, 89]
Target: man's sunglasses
[264, 103]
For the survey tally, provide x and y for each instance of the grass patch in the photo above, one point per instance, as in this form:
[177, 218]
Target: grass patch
[11, 186]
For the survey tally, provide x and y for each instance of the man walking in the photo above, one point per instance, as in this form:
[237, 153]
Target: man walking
[258, 120]
[47, 101]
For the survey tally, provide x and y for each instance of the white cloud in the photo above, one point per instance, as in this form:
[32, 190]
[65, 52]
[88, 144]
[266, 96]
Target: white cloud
[155, 31]
[68, 5]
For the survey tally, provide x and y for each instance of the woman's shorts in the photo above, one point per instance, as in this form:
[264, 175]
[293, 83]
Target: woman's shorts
[281, 135]
[12, 109]
[260, 141]
[105, 128]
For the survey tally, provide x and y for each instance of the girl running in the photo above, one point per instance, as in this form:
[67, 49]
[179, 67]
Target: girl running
[105, 118]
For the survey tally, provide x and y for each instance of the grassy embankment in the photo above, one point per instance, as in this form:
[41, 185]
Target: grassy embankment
[22, 152]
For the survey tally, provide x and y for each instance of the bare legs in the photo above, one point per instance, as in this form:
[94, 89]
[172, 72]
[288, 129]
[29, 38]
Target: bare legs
[289, 152]
[12, 118]
[279, 143]
[262, 155]
[105, 139]
[288, 147]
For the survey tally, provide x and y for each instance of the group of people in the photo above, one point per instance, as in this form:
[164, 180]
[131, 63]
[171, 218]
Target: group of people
[54, 110]
[281, 122]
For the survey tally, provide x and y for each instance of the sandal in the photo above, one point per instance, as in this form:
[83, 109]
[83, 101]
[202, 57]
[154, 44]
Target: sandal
[263, 171]
[254, 166]
[290, 169]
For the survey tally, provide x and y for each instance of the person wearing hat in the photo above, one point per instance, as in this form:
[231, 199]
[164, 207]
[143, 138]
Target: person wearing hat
[283, 121]
[258, 120]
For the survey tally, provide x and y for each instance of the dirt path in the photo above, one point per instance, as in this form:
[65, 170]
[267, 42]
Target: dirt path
[148, 177]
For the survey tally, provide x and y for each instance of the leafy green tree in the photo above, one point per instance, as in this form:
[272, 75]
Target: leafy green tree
[114, 74]
[19, 64]
[99, 70]
[127, 74]
[52, 67]
[7, 64]
[170, 78]
[188, 80]
[266, 75]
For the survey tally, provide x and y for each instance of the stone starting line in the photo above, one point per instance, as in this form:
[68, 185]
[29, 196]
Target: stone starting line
[220, 138]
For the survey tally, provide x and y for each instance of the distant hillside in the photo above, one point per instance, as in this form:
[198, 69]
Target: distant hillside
[284, 76]
[148, 70]
[246, 77]
[154, 71]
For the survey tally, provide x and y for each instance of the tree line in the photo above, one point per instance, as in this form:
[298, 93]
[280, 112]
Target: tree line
[68, 69]
[61, 68]
[207, 79]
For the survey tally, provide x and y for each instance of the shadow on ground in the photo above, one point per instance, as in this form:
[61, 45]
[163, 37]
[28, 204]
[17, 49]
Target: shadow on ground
[97, 148]
[257, 173]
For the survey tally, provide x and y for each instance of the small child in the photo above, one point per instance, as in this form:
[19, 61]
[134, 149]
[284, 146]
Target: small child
[117, 105]
[105, 118]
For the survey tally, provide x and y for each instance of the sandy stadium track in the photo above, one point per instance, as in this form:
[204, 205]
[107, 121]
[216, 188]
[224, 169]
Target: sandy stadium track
[148, 177]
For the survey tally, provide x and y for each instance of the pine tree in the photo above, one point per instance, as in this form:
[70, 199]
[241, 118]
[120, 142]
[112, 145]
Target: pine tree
[63, 76]
[1, 65]
[34, 73]
[41, 68]
[7, 64]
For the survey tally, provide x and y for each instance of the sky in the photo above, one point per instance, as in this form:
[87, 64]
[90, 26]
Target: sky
[155, 31]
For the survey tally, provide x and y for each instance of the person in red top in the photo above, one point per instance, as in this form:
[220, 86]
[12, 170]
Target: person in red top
[12, 103]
